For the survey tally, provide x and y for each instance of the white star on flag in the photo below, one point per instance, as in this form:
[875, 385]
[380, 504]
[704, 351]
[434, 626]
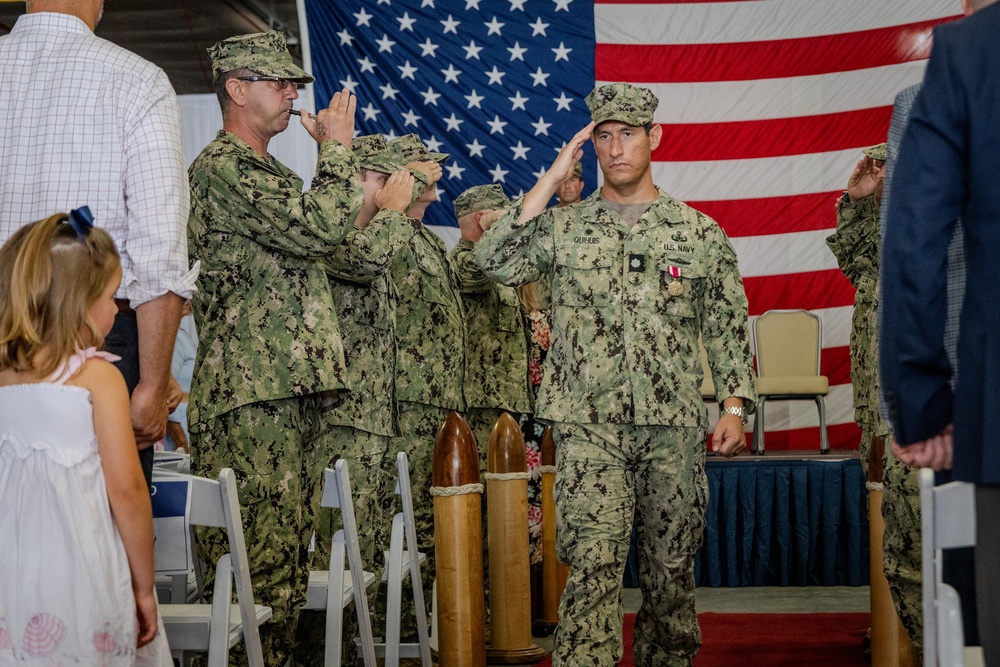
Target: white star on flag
[498, 173]
[541, 127]
[451, 74]
[517, 102]
[475, 148]
[474, 99]
[428, 48]
[430, 97]
[410, 118]
[494, 27]
[495, 76]
[539, 77]
[496, 125]
[451, 25]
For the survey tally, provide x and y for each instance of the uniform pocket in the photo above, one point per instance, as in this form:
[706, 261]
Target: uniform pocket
[582, 276]
[509, 310]
[682, 281]
[433, 281]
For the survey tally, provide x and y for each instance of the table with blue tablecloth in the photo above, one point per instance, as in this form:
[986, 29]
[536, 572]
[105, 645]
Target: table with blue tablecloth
[782, 521]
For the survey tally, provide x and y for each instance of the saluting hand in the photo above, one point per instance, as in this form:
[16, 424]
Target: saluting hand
[396, 192]
[866, 179]
[562, 166]
[432, 170]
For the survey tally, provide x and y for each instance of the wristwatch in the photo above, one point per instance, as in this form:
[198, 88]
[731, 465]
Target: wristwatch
[740, 412]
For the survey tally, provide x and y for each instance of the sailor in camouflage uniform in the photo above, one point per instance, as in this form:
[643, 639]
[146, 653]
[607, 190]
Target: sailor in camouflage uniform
[430, 340]
[856, 246]
[265, 314]
[364, 297]
[636, 276]
[496, 352]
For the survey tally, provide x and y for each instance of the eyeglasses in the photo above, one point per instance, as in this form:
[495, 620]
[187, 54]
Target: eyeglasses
[282, 83]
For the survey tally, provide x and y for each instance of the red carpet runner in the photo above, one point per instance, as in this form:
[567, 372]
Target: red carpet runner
[772, 640]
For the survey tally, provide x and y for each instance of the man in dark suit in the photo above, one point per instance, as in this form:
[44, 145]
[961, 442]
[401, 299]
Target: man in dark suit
[949, 167]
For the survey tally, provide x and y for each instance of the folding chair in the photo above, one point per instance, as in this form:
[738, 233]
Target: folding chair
[399, 564]
[217, 627]
[787, 345]
[349, 581]
[948, 521]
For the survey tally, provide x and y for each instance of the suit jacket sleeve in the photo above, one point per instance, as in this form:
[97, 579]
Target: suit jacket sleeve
[928, 192]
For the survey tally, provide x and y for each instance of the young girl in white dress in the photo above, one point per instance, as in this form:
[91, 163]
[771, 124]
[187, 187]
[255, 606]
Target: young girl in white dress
[76, 529]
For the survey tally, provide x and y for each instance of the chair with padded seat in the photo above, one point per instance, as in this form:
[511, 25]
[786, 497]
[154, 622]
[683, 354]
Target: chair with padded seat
[787, 346]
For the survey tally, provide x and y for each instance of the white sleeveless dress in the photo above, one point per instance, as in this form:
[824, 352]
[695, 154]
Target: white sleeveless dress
[65, 587]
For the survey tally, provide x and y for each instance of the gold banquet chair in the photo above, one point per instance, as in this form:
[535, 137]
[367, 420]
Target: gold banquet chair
[787, 346]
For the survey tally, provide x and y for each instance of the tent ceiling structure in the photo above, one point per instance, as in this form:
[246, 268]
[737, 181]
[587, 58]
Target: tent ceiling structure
[174, 35]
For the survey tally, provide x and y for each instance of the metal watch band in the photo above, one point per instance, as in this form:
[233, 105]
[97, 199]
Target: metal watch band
[740, 412]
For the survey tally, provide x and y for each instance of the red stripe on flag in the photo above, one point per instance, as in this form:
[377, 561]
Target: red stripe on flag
[835, 364]
[810, 290]
[772, 215]
[841, 436]
[698, 142]
[773, 59]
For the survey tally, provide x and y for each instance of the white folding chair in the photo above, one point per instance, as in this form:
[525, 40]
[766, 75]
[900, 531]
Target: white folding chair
[349, 581]
[215, 628]
[399, 564]
[948, 521]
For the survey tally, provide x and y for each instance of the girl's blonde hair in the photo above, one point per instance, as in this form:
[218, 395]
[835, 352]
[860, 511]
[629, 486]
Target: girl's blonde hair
[50, 276]
[530, 298]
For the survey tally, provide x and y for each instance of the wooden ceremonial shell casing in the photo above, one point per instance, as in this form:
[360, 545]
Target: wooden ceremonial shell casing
[507, 520]
[458, 549]
[891, 646]
[554, 573]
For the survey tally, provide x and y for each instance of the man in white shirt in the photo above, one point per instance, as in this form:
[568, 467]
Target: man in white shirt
[89, 123]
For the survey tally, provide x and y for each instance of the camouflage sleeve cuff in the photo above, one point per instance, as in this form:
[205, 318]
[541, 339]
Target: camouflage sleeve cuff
[865, 207]
[394, 217]
[337, 161]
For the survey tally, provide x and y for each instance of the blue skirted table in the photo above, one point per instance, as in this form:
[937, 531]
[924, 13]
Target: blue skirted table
[782, 522]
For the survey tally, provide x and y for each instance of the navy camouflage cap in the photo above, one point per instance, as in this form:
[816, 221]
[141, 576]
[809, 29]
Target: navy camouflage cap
[578, 169]
[409, 148]
[263, 52]
[374, 155]
[876, 152]
[480, 198]
[632, 105]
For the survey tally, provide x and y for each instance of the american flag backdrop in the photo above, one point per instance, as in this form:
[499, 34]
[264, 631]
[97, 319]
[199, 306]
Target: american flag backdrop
[765, 105]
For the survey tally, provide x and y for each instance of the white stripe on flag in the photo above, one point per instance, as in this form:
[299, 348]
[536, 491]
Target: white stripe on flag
[765, 99]
[729, 22]
[783, 176]
[778, 254]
